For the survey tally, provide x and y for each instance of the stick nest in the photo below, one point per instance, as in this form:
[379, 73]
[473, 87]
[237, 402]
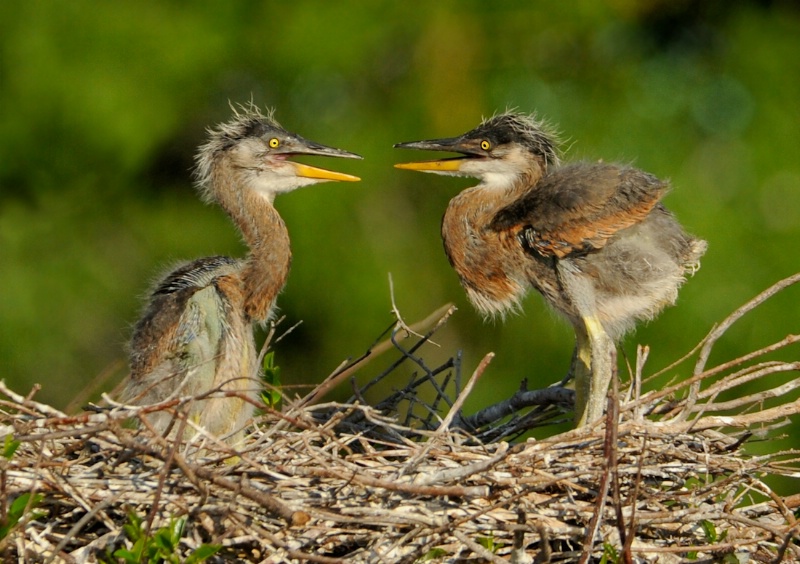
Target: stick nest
[664, 478]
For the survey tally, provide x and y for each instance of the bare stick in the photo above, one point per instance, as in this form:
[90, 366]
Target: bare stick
[400, 322]
[610, 457]
[462, 397]
[520, 400]
[340, 375]
[455, 410]
[719, 330]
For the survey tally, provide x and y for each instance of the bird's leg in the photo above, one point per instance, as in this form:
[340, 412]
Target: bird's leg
[594, 349]
[593, 369]
[581, 370]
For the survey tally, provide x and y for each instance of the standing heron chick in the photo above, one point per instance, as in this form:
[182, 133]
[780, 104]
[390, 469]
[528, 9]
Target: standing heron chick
[196, 334]
[592, 238]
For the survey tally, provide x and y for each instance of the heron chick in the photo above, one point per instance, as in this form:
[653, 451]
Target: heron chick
[195, 339]
[593, 238]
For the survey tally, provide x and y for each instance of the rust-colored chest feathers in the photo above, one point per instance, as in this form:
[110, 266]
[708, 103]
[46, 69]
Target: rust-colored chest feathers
[487, 261]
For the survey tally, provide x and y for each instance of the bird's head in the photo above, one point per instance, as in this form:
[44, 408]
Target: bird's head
[254, 147]
[497, 151]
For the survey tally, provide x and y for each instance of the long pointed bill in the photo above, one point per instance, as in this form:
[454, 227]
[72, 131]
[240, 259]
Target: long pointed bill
[307, 171]
[300, 146]
[451, 144]
[443, 165]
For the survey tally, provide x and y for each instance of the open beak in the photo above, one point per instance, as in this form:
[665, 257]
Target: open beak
[302, 146]
[307, 171]
[467, 149]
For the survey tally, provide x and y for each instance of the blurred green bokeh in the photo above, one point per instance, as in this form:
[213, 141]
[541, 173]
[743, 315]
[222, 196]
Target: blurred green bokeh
[103, 104]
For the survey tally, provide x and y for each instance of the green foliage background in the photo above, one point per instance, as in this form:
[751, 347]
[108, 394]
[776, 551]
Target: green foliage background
[102, 105]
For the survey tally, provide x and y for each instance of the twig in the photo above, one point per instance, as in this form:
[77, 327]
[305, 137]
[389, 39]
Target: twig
[520, 400]
[460, 473]
[518, 554]
[393, 485]
[273, 328]
[642, 352]
[409, 354]
[609, 461]
[626, 547]
[29, 403]
[82, 397]
[401, 324]
[340, 375]
[719, 330]
[462, 397]
[192, 472]
[788, 539]
[79, 524]
[741, 420]
[613, 463]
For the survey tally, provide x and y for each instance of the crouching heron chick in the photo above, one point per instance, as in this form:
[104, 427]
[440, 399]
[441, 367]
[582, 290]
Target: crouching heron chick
[593, 239]
[195, 338]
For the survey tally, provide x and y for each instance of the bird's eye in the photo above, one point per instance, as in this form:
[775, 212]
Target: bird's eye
[486, 145]
[274, 142]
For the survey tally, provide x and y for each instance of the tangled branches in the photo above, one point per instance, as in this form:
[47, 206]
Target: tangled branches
[665, 477]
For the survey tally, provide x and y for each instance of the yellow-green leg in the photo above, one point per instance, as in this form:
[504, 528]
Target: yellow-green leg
[592, 368]
[594, 349]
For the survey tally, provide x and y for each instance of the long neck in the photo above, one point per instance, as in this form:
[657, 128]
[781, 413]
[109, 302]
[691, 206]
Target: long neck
[479, 204]
[266, 268]
[485, 260]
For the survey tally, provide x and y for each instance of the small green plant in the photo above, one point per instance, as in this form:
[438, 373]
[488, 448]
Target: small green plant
[433, 554]
[271, 395]
[13, 514]
[16, 511]
[610, 554]
[712, 537]
[161, 546]
[711, 532]
[489, 543]
[10, 446]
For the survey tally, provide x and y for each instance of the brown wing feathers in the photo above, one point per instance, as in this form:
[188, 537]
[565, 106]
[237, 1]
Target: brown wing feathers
[578, 207]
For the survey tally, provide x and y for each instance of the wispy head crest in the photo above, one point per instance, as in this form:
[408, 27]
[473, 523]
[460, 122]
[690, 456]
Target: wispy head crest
[248, 121]
[540, 137]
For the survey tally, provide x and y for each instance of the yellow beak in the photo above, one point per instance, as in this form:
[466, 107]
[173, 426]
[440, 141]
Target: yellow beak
[445, 165]
[307, 171]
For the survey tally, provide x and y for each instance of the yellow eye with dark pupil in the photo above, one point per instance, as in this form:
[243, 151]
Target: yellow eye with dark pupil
[485, 145]
[274, 142]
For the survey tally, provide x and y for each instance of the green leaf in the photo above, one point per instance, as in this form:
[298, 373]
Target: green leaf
[434, 553]
[203, 552]
[164, 541]
[139, 548]
[271, 396]
[16, 511]
[10, 446]
[125, 554]
[710, 530]
[133, 528]
[610, 554]
[18, 506]
[488, 543]
[176, 527]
